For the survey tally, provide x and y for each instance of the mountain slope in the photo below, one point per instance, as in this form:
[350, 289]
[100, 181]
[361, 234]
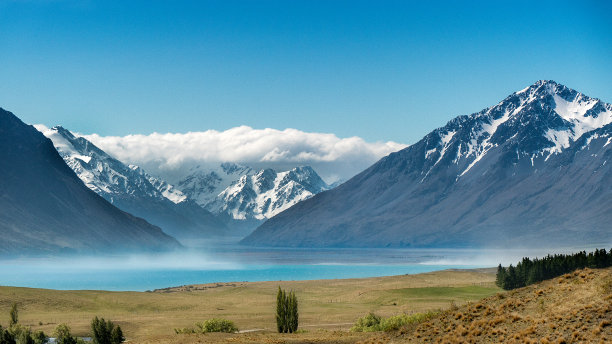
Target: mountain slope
[45, 208]
[530, 170]
[131, 189]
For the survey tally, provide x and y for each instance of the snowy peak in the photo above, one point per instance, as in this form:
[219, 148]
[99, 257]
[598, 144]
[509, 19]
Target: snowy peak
[104, 174]
[244, 193]
[534, 123]
[203, 185]
[266, 193]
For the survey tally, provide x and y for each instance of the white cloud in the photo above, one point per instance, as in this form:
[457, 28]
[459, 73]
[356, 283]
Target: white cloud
[171, 155]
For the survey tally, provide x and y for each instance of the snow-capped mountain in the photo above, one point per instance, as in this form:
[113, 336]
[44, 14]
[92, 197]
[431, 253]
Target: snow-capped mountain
[131, 189]
[242, 193]
[204, 184]
[104, 174]
[531, 169]
[267, 193]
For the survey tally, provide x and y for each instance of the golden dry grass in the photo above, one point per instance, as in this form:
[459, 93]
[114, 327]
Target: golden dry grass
[573, 308]
[327, 307]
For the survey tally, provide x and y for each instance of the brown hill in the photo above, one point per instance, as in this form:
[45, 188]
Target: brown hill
[573, 308]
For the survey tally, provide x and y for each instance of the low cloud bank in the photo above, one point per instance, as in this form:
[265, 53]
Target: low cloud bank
[172, 155]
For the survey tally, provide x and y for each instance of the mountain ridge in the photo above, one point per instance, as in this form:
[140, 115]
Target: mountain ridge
[472, 170]
[245, 196]
[46, 209]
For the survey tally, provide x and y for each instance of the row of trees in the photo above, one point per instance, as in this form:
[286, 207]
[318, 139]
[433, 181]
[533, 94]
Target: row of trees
[529, 271]
[287, 317]
[103, 332]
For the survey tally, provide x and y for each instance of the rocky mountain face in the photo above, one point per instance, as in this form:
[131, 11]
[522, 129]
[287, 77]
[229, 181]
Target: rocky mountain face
[131, 189]
[45, 208]
[245, 197]
[530, 171]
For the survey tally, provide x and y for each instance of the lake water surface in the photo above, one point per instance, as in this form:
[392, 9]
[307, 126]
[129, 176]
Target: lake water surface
[232, 263]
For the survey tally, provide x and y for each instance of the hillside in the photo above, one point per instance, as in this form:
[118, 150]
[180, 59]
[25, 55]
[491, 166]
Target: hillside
[46, 208]
[529, 171]
[573, 308]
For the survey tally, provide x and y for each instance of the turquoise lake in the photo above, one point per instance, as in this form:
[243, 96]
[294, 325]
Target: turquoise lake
[228, 263]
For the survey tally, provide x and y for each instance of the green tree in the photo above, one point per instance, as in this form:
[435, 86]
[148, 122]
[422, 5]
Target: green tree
[105, 332]
[14, 315]
[294, 323]
[40, 338]
[24, 336]
[101, 331]
[499, 277]
[287, 316]
[63, 336]
[117, 335]
[280, 310]
[6, 337]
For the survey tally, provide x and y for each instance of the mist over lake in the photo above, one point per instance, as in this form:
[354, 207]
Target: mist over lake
[226, 262]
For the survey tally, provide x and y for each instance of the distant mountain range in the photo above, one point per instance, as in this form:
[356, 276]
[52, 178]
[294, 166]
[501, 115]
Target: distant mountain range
[246, 197]
[131, 189]
[46, 209]
[203, 204]
[532, 170]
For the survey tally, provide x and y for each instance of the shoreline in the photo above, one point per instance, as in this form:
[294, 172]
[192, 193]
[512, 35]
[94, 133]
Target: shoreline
[212, 285]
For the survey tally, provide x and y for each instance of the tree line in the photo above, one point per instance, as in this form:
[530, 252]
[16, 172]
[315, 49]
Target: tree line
[529, 271]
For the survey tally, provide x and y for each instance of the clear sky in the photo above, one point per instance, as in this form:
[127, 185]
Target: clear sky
[381, 70]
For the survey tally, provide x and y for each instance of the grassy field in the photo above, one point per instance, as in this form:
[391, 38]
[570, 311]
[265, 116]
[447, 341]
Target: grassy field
[326, 306]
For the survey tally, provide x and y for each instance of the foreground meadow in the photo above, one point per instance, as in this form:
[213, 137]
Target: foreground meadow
[328, 308]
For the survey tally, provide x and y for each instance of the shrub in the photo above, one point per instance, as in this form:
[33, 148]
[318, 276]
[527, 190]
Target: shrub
[372, 322]
[368, 323]
[217, 325]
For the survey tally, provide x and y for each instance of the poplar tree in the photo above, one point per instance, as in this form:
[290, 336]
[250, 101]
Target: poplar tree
[287, 316]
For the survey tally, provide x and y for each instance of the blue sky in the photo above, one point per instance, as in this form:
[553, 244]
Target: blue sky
[381, 70]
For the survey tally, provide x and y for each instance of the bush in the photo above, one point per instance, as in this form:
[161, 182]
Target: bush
[373, 323]
[368, 323]
[217, 325]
